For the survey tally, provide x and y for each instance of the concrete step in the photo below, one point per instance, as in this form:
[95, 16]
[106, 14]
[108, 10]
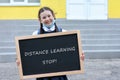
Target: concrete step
[64, 26]
[84, 42]
[16, 32]
[35, 21]
[83, 36]
[7, 49]
[3, 43]
[102, 54]
[89, 26]
[109, 21]
[84, 47]
[100, 41]
[88, 44]
[100, 36]
[83, 32]
[89, 54]
[94, 31]
[101, 47]
[22, 28]
[7, 57]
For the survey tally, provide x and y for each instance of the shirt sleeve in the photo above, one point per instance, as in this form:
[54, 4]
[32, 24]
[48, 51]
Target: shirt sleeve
[35, 32]
[63, 30]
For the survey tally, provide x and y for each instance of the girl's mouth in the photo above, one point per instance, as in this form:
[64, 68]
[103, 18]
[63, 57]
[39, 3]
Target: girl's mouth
[47, 22]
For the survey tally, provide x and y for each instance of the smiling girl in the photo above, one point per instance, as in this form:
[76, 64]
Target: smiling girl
[47, 21]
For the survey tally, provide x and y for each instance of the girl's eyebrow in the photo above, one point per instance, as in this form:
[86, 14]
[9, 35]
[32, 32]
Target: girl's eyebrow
[49, 15]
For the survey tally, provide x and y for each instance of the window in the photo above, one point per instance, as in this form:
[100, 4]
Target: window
[19, 2]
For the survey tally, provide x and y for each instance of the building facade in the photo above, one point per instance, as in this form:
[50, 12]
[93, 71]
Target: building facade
[28, 9]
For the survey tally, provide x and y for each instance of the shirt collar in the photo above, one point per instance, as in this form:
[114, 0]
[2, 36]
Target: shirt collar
[49, 29]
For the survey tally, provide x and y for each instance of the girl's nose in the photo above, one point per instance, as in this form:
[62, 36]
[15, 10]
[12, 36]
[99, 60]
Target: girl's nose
[47, 18]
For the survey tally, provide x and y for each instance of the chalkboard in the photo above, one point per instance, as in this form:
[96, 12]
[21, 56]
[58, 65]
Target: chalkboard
[49, 54]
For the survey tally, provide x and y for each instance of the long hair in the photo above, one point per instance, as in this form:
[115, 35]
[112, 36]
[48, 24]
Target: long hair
[42, 10]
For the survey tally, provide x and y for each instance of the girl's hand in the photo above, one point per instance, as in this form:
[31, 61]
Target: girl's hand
[82, 56]
[18, 62]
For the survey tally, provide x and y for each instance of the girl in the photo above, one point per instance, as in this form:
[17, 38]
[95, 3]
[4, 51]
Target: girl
[47, 19]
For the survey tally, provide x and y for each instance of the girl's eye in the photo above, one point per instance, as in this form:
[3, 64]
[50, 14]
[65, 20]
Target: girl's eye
[44, 17]
[48, 15]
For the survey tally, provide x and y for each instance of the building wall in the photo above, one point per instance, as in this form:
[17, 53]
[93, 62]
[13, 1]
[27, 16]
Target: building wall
[113, 9]
[31, 12]
[59, 7]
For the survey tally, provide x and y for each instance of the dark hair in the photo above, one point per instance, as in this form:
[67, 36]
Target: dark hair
[42, 10]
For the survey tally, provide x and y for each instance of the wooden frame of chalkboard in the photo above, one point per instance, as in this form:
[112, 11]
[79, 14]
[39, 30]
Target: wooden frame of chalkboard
[48, 55]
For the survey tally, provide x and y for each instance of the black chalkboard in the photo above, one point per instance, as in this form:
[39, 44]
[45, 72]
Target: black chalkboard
[58, 52]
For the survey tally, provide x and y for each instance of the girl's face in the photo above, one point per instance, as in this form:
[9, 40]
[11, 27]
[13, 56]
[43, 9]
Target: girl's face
[46, 17]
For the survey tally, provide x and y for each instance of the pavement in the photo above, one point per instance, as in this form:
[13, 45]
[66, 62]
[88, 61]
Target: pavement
[94, 69]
